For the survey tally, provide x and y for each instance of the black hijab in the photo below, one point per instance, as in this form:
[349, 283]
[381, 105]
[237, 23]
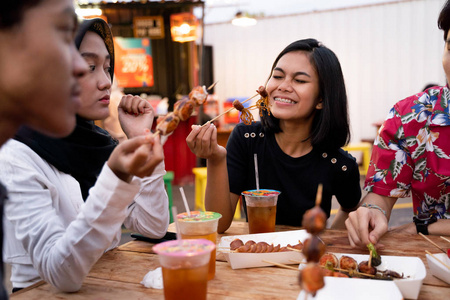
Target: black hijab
[83, 153]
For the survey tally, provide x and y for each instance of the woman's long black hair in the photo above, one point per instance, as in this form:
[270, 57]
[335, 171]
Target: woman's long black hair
[330, 129]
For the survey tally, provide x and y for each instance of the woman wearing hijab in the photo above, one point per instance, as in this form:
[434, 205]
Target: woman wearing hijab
[68, 201]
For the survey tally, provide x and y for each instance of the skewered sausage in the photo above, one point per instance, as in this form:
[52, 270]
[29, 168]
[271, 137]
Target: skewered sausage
[329, 260]
[236, 243]
[168, 124]
[311, 278]
[184, 108]
[261, 247]
[238, 105]
[313, 249]
[198, 94]
[366, 269]
[314, 220]
[262, 91]
[348, 263]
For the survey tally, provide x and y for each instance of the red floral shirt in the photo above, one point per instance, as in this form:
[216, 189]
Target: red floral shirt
[411, 153]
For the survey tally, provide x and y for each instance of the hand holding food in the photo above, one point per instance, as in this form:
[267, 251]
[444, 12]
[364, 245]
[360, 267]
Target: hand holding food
[136, 157]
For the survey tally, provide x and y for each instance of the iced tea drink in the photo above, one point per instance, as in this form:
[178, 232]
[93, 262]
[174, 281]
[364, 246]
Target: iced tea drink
[261, 210]
[185, 268]
[201, 225]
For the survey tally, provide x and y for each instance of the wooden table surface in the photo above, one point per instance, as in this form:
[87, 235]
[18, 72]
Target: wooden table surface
[118, 273]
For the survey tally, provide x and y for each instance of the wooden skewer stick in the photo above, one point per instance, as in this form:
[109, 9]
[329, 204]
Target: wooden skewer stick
[227, 111]
[298, 262]
[353, 272]
[370, 259]
[293, 249]
[156, 133]
[280, 265]
[447, 266]
[445, 239]
[212, 85]
[433, 243]
[319, 194]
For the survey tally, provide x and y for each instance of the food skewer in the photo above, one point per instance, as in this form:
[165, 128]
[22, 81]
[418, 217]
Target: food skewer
[293, 249]
[280, 265]
[445, 239]
[447, 266]
[228, 110]
[319, 194]
[212, 85]
[433, 243]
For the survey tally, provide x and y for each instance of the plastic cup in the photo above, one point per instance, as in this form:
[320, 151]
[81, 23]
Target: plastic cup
[261, 210]
[201, 225]
[185, 268]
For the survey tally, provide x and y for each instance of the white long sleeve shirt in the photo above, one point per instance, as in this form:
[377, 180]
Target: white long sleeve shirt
[52, 234]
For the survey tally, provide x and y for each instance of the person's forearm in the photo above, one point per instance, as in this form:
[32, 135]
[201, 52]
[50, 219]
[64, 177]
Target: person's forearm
[217, 196]
[383, 202]
[441, 227]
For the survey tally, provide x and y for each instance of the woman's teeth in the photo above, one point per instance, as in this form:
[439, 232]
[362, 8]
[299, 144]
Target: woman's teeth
[284, 100]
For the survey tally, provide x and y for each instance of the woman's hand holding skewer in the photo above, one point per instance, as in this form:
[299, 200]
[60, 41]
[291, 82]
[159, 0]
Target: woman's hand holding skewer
[203, 142]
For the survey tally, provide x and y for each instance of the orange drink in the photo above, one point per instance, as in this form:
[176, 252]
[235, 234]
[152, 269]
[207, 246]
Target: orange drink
[185, 268]
[261, 210]
[201, 224]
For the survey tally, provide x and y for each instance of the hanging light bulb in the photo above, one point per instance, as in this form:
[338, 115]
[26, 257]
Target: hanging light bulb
[183, 27]
[243, 20]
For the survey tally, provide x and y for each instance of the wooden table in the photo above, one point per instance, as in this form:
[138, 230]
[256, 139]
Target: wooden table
[118, 273]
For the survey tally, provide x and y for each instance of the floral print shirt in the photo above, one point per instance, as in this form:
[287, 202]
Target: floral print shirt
[411, 154]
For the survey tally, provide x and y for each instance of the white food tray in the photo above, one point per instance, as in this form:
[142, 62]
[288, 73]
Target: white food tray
[438, 269]
[253, 260]
[355, 288]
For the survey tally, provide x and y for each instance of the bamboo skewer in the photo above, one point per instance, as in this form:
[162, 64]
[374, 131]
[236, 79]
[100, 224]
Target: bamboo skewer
[212, 85]
[433, 243]
[230, 109]
[280, 265]
[293, 249]
[443, 263]
[319, 194]
[445, 239]
[337, 269]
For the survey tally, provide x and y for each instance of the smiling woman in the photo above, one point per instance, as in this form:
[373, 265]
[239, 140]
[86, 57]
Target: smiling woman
[297, 142]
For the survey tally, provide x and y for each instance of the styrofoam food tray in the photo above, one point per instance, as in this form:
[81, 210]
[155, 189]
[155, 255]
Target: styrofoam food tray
[408, 288]
[438, 269]
[253, 260]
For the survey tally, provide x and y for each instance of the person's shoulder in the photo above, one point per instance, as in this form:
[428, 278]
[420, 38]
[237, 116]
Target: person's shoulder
[14, 148]
[255, 126]
[338, 159]
[429, 95]
[244, 131]
[15, 154]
